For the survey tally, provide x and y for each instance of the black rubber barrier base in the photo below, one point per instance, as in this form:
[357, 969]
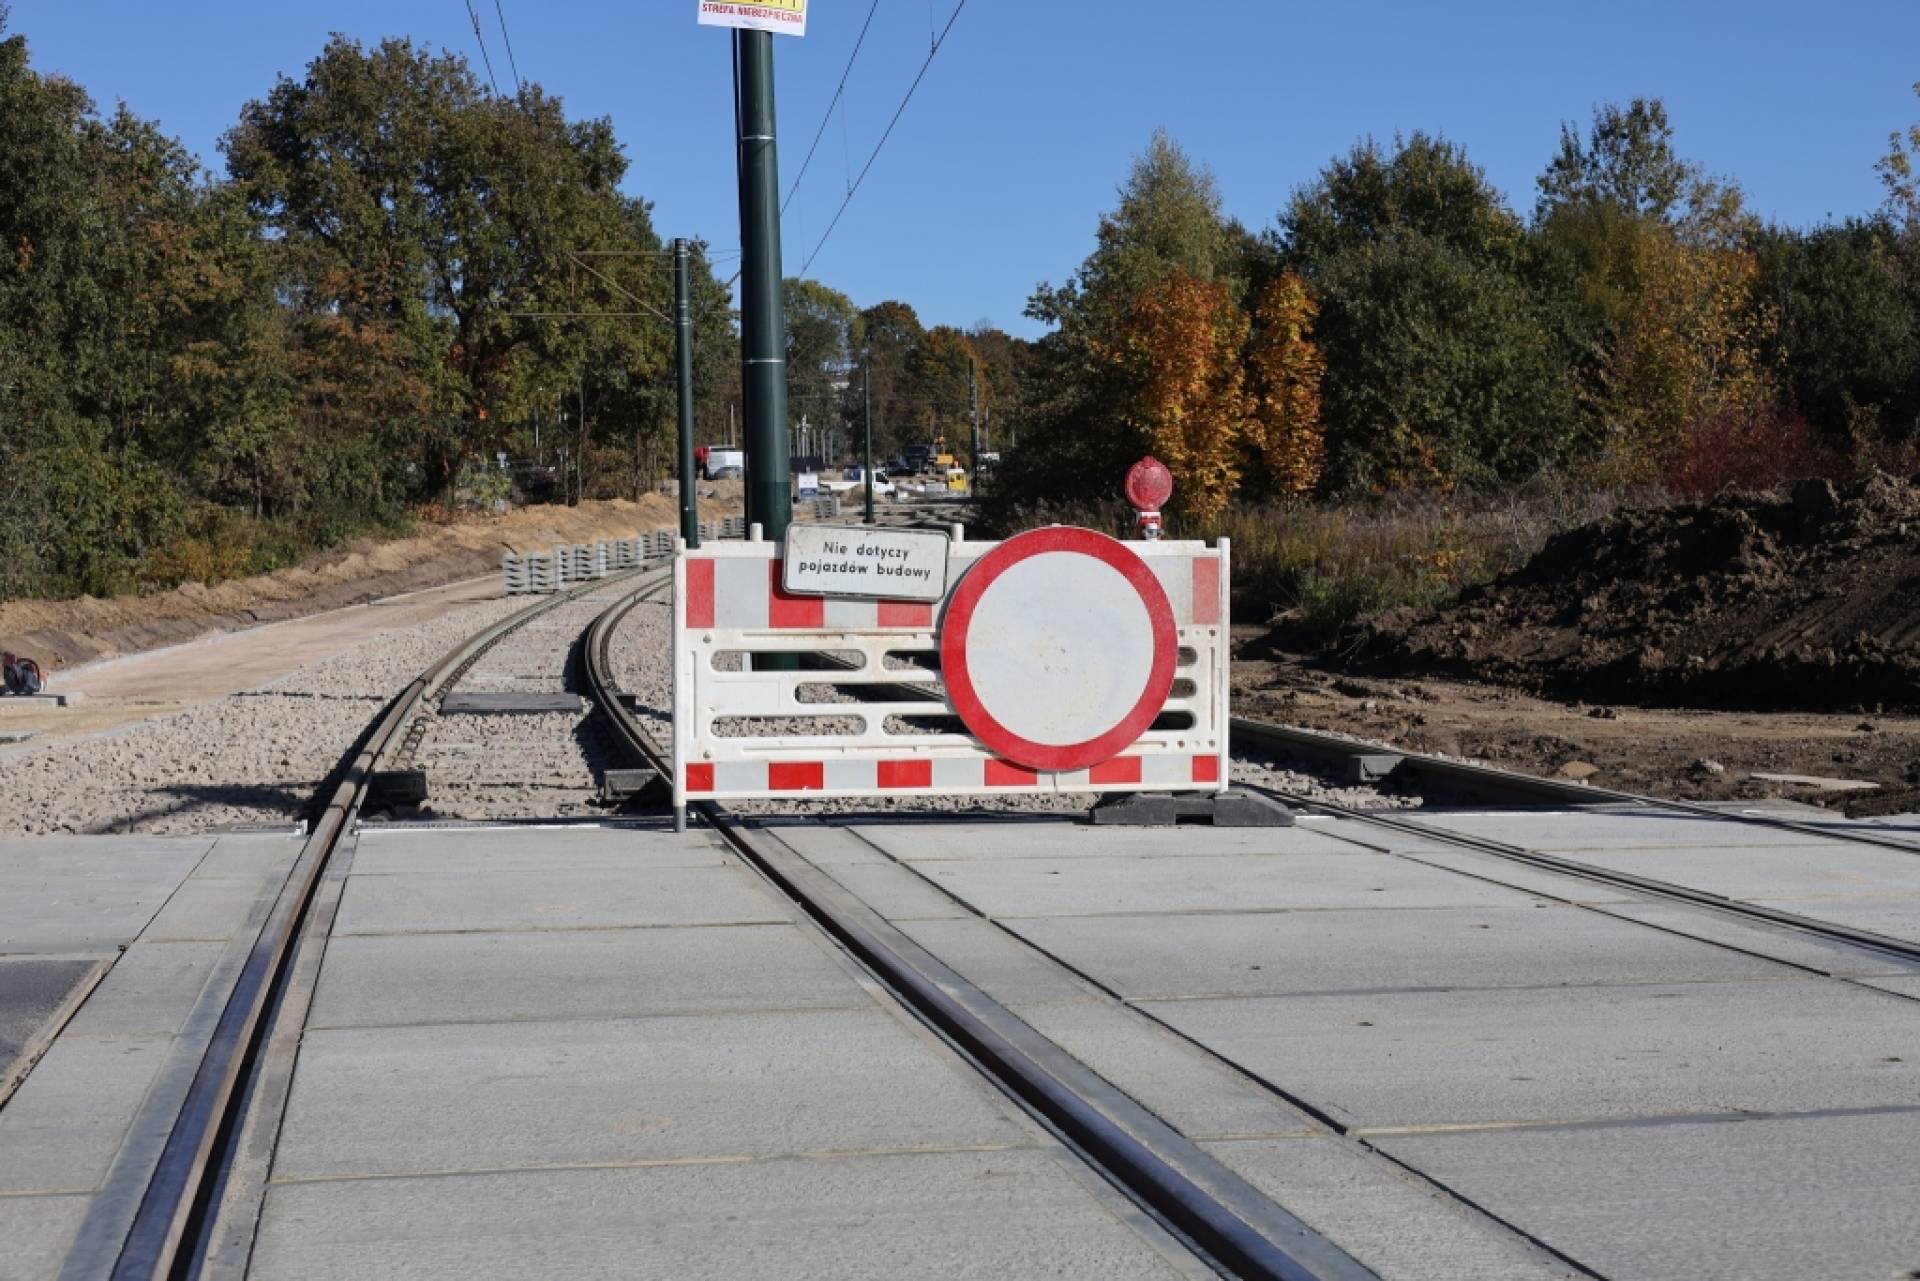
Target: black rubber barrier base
[1231, 808]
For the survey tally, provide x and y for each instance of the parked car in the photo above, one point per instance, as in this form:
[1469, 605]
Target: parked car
[725, 463]
[852, 484]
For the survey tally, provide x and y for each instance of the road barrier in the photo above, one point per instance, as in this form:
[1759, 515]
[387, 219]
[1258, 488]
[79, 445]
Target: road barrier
[536, 573]
[1061, 661]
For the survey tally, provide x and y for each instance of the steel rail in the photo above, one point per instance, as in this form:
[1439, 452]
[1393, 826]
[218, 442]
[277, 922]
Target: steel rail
[1863, 940]
[1493, 781]
[177, 1191]
[1161, 1169]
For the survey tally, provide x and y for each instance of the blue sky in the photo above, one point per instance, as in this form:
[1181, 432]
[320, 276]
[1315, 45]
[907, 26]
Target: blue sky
[1025, 124]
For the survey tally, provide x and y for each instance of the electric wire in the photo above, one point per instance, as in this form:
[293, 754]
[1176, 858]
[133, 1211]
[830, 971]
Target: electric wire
[512, 64]
[474, 14]
[875, 155]
[826, 117]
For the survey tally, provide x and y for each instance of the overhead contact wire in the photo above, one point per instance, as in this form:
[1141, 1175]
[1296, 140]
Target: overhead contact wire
[875, 155]
[826, 116]
[474, 15]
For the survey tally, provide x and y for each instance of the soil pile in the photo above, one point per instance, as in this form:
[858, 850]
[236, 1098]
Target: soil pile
[66, 632]
[1808, 602]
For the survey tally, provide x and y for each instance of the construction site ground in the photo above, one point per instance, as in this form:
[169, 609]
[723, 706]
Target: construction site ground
[1674, 752]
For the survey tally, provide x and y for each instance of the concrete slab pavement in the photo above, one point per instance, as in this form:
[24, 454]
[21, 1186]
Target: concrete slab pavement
[110, 1071]
[1566, 831]
[1526, 1055]
[1064, 838]
[36, 1230]
[986, 1215]
[1092, 885]
[1243, 985]
[36, 996]
[560, 1051]
[400, 979]
[1368, 1206]
[87, 894]
[1785, 1197]
[555, 898]
[1274, 953]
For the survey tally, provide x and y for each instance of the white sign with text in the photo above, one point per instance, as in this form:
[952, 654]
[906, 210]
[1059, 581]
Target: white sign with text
[841, 560]
[783, 17]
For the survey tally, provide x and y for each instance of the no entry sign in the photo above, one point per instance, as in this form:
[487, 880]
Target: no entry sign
[1058, 648]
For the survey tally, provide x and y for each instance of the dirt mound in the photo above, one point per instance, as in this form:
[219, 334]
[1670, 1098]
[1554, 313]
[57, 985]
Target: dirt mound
[62, 633]
[1808, 602]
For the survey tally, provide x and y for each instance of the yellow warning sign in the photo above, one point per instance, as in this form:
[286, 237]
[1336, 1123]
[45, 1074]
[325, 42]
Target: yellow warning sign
[786, 17]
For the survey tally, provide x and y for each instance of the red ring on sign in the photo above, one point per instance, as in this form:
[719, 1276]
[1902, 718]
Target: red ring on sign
[958, 619]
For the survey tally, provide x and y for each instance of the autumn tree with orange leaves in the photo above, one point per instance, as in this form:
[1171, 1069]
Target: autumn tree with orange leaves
[1285, 364]
[1178, 350]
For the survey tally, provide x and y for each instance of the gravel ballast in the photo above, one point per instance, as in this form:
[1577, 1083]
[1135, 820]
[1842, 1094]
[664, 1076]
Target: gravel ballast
[261, 756]
[258, 756]
[643, 663]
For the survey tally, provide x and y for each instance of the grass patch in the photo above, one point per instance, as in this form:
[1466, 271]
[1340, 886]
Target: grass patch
[1314, 569]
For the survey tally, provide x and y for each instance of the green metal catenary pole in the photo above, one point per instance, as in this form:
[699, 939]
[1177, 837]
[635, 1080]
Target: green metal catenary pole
[869, 459]
[683, 353]
[763, 326]
[973, 445]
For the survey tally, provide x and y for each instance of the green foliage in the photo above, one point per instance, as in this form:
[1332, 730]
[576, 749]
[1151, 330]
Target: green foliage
[1440, 369]
[201, 378]
[1422, 187]
[1444, 361]
[1072, 444]
[1849, 338]
[1627, 161]
[820, 329]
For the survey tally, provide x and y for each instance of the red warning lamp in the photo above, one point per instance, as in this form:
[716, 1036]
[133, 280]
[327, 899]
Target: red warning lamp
[1148, 486]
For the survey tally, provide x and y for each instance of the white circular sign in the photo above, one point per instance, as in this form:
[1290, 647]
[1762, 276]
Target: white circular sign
[1058, 648]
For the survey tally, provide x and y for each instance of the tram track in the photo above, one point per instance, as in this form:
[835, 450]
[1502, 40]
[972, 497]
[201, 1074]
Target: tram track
[155, 1217]
[1166, 1173]
[1480, 780]
[201, 1173]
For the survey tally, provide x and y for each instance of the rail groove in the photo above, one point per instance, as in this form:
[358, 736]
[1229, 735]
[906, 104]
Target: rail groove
[153, 1214]
[1232, 1222]
[1484, 779]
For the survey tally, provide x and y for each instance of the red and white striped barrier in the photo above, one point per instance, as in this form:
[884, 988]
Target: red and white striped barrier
[1057, 661]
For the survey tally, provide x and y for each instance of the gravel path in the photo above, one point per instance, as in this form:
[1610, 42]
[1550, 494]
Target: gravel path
[258, 756]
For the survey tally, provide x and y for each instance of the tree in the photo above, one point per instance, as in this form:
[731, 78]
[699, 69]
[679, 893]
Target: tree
[1178, 351]
[1422, 186]
[1285, 370]
[820, 327]
[1440, 369]
[428, 214]
[1442, 361]
[1692, 351]
[1897, 170]
[134, 394]
[1167, 225]
[1848, 341]
[1002, 380]
[1168, 221]
[1661, 283]
[1628, 160]
[938, 367]
[888, 334]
